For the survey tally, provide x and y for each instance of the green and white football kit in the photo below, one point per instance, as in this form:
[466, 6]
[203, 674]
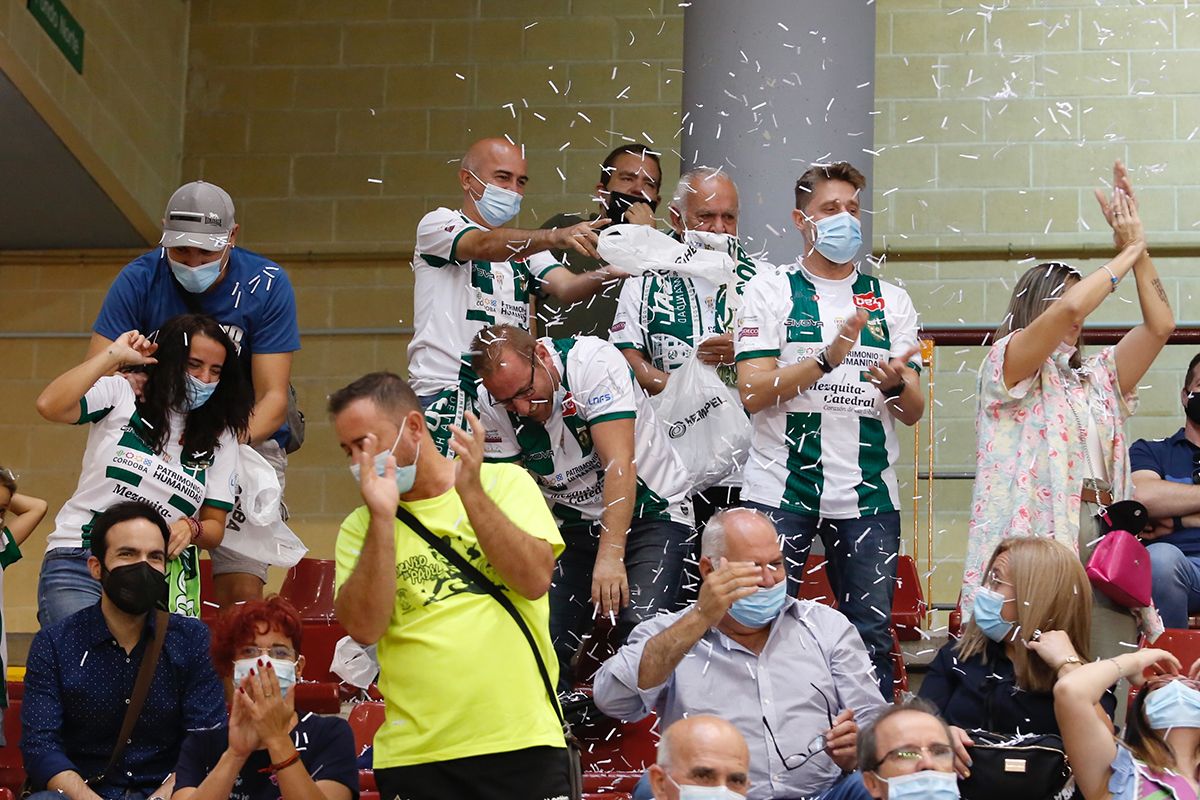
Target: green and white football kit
[454, 299]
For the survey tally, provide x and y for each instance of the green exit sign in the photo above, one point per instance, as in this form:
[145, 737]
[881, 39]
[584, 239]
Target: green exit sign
[64, 30]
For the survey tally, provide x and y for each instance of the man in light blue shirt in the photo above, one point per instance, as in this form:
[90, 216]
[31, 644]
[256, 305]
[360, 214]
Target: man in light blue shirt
[792, 675]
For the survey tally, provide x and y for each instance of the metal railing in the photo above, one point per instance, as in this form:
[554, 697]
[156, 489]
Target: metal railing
[932, 337]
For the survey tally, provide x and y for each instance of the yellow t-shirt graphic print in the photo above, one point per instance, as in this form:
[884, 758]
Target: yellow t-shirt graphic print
[457, 675]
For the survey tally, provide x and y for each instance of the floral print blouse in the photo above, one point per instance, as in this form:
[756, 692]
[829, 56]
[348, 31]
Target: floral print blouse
[1030, 458]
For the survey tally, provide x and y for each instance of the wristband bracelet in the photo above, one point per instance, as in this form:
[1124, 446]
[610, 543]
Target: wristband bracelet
[287, 762]
[895, 391]
[195, 526]
[1112, 276]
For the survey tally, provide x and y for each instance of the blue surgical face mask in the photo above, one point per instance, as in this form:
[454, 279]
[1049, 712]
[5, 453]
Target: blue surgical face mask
[497, 205]
[839, 237]
[196, 279]
[405, 476]
[761, 608]
[285, 671]
[987, 614]
[1175, 705]
[928, 784]
[198, 391]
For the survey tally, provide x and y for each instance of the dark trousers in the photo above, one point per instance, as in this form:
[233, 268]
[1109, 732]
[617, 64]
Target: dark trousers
[536, 773]
[654, 555]
[861, 566]
[704, 505]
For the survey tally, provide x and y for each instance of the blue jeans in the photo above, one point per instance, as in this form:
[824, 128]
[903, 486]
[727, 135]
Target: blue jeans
[654, 555]
[847, 787]
[861, 556]
[1176, 583]
[65, 585]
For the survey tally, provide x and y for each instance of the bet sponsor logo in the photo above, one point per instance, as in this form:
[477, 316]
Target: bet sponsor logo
[868, 301]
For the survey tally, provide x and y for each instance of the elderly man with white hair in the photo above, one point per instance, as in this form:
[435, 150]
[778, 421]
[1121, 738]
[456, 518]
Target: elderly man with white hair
[791, 675]
[662, 319]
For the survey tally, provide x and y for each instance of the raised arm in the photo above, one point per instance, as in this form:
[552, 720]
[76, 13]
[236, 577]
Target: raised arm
[506, 244]
[28, 513]
[1137, 349]
[365, 601]
[1031, 346]
[1090, 745]
[524, 562]
[571, 287]
[59, 402]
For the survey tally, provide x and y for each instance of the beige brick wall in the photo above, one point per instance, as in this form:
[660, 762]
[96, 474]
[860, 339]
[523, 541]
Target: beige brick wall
[993, 129]
[297, 113]
[123, 117]
[53, 294]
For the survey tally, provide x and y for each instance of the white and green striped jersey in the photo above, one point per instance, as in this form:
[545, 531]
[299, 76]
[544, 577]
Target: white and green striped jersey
[118, 465]
[596, 386]
[453, 299]
[828, 451]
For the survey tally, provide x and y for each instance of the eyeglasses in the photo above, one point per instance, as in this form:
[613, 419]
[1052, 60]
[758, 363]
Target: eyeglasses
[815, 747]
[278, 651]
[939, 754]
[523, 393]
[994, 580]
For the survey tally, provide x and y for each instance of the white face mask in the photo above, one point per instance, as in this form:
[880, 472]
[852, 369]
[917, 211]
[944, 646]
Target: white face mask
[285, 671]
[197, 280]
[688, 791]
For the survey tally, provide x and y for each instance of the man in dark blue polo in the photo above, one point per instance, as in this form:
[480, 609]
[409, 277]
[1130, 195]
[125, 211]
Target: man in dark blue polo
[1166, 479]
[81, 671]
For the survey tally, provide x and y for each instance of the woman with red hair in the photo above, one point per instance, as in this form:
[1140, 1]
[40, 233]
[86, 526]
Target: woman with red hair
[267, 752]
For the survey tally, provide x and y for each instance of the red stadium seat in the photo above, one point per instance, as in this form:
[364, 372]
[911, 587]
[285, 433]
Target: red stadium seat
[908, 602]
[954, 627]
[12, 767]
[900, 671]
[365, 719]
[309, 587]
[7, 794]
[815, 583]
[368, 796]
[317, 645]
[319, 698]
[1183, 643]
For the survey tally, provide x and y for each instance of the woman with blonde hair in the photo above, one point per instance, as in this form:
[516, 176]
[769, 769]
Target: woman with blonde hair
[1051, 440]
[989, 679]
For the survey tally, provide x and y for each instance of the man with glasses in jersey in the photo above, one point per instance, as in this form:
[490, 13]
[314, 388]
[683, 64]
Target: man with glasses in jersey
[471, 271]
[569, 412]
[827, 363]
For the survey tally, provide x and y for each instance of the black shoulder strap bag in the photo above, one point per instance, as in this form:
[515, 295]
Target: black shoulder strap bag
[1032, 766]
[141, 688]
[472, 574]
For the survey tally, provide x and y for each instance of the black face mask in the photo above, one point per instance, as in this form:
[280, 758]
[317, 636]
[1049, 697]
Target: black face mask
[1192, 407]
[135, 588]
[619, 203]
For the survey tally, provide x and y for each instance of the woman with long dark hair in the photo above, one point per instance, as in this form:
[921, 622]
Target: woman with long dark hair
[1052, 451]
[175, 448]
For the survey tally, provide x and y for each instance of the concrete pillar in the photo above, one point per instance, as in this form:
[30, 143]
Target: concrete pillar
[770, 87]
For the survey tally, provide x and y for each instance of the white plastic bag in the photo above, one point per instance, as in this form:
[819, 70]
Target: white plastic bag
[637, 249]
[355, 664]
[260, 494]
[255, 528]
[705, 422]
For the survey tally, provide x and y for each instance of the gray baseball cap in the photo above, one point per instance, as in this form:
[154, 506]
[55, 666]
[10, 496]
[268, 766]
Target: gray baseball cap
[200, 215]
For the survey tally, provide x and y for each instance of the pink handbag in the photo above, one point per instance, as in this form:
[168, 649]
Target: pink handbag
[1120, 569]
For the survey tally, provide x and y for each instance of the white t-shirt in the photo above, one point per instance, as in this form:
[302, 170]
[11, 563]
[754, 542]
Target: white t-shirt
[118, 465]
[828, 451]
[596, 386]
[454, 299]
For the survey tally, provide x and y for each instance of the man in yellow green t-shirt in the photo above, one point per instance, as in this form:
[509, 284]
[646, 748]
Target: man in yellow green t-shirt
[466, 706]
